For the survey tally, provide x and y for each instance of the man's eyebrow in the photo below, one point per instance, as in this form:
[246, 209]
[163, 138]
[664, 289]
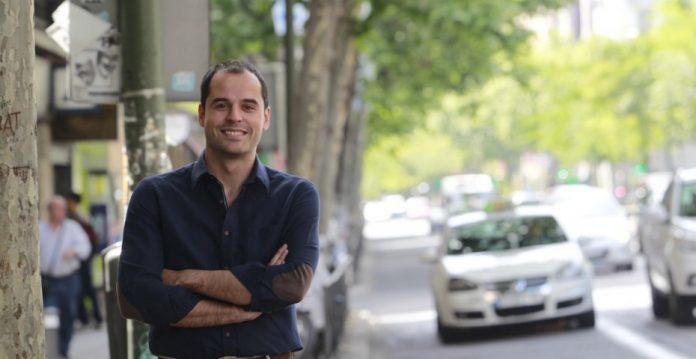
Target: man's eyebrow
[250, 100]
[219, 99]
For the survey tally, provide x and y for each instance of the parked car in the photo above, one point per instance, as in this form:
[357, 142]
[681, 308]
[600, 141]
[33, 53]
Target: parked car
[467, 192]
[669, 244]
[649, 197]
[594, 219]
[509, 267]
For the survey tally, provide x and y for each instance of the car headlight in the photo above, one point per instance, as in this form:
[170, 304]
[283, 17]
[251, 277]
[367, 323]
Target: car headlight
[686, 245]
[570, 270]
[460, 284]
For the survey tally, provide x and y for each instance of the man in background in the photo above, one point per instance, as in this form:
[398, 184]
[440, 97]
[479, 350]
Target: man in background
[63, 244]
[73, 200]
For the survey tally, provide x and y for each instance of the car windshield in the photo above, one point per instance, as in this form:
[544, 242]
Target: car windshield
[504, 234]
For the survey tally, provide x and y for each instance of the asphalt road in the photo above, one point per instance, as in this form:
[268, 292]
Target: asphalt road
[392, 306]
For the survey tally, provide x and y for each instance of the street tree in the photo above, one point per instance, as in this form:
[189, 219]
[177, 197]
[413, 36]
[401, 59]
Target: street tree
[22, 334]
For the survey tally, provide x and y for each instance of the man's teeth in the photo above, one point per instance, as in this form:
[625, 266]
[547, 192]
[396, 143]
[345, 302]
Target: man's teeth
[231, 132]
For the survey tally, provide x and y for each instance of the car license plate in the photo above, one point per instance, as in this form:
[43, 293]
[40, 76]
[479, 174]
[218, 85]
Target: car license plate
[521, 299]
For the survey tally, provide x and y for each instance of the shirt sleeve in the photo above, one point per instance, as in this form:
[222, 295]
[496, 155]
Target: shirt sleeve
[141, 263]
[275, 287]
[81, 243]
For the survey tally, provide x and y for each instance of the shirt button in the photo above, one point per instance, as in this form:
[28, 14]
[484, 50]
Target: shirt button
[227, 233]
[227, 334]
[221, 201]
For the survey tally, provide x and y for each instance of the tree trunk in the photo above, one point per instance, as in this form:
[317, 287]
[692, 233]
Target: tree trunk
[22, 334]
[349, 180]
[342, 81]
[310, 95]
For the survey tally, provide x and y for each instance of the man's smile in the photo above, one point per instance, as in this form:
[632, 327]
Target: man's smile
[234, 133]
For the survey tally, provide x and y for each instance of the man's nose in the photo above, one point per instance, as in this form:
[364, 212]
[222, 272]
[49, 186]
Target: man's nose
[235, 113]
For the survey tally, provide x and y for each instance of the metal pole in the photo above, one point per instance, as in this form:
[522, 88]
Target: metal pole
[143, 92]
[144, 110]
[289, 61]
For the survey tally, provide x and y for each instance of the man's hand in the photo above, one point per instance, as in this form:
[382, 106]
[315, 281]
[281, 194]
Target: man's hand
[177, 277]
[279, 257]
[171, 277]
[69, 254]
[210, 313]
[218, 284]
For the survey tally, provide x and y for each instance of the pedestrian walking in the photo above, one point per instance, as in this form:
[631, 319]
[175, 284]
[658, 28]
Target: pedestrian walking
[215, 254]
[63, 244]
[87, 285]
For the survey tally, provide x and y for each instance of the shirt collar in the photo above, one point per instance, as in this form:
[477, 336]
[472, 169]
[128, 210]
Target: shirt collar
[258, 172]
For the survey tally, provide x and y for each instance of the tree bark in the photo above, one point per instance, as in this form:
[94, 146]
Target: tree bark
[348, 182]
[340, 94]
[22, 334]
[310, 95]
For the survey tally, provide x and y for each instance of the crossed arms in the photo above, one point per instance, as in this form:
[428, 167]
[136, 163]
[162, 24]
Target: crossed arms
[229, 293]
[200, 298]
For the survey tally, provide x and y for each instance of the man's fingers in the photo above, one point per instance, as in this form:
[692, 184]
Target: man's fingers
[279, 256]
[252, 315]
[284, 255]
[168, 276]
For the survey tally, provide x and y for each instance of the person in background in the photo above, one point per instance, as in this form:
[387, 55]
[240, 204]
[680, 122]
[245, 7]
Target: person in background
[62, 245]
[73, 200]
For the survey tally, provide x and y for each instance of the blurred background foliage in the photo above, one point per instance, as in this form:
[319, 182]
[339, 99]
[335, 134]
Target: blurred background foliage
[452, 85]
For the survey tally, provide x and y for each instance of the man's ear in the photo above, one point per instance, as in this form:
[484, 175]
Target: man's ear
[267, 118]
[201, 115]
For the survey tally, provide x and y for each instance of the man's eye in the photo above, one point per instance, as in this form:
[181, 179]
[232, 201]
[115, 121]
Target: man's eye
[220, 106]
[248, 108]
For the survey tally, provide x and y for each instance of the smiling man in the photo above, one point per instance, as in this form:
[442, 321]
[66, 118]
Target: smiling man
[216, 254]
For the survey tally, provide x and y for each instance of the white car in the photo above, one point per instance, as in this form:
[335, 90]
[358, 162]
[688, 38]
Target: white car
[669, 244]
[594, 219]
[509, 267]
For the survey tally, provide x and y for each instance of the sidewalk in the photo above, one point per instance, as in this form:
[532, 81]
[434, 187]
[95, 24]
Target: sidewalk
[356, 338]
[90, 343]
[358, 332]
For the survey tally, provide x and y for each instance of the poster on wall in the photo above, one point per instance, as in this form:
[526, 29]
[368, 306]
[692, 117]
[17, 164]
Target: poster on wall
[94, 55]
[95, 75]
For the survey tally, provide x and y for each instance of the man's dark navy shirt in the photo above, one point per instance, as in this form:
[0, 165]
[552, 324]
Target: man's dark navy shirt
[180, 220]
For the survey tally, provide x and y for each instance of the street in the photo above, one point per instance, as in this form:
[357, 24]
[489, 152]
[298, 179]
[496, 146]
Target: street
[392, 303]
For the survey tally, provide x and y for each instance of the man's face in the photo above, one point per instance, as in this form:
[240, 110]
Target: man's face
[57, 211]
[233, 115]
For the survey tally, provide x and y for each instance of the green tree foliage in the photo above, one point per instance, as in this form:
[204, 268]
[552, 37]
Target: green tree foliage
[243, 28]
[398, 162]
[617, 100]
[420, 50]
[595, 100]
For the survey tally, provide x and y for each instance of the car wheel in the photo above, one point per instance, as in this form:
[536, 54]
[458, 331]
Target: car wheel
[445, 333]
[308, 335]
[680, 309]
[660, 303]
[587, 319]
